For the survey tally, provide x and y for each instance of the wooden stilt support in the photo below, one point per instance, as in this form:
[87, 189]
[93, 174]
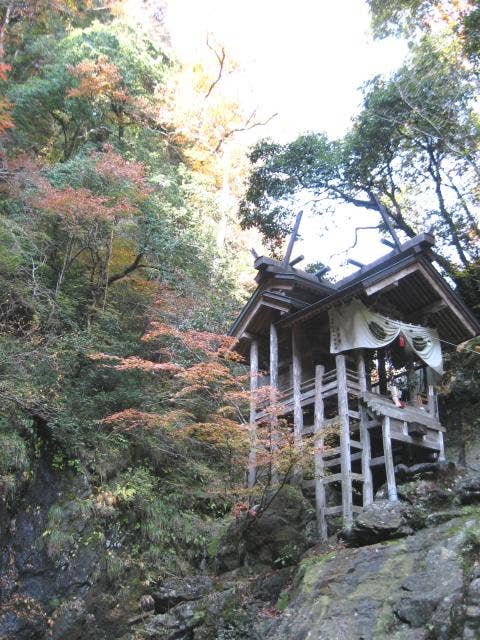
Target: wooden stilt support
[364, 435]
[297, 394]
[347, 506]
[252, 456]
[441, 453]
[389, 469]
[320, 501]
[273, 393]
[382, 372]
[432, 405]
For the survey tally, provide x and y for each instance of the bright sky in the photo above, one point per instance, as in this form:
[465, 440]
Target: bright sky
[306, 61]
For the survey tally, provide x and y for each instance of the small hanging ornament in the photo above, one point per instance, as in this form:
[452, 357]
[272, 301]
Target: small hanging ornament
[401, 341]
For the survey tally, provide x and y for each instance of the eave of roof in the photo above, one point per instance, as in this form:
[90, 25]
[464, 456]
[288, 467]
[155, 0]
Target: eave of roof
[265, 293]
[415, 251]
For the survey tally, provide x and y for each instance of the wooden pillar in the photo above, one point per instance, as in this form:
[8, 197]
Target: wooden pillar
[346, 464]
[364, 434]
[320, 501]
[432, 401]
[274, 392]
[297, 393]
[273, 356]
[252, 457]
[361, 370]
[389, 469]
[441, 452]
[382, 372]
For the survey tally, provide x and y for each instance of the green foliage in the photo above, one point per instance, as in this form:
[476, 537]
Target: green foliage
[58, 125]
[105, 225]
[398, 16]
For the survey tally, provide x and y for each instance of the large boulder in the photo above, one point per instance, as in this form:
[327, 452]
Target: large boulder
[276, 537]
[384, 520]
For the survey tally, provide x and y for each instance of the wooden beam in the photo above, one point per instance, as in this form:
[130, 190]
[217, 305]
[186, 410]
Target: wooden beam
[320, 501]
[293, 237]
[388, 223]
[392, 279]
[356, 263]
[333, 511]
[344, 441]
[252, 456]
[364, 434]
[389, 468]
[296, 260]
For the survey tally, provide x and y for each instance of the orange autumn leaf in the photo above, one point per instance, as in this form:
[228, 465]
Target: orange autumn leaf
[96, 78]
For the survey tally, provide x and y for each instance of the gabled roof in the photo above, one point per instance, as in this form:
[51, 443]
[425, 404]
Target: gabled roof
[279, 287]
[404, 279]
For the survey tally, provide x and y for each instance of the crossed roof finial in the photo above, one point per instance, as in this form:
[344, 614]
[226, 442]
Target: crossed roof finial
[291, 242]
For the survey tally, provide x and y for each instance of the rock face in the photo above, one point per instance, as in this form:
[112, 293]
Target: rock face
[421, 587]
[176, 590]
[31, 583]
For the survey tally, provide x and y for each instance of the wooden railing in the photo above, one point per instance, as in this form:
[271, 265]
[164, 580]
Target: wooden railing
[307, 389]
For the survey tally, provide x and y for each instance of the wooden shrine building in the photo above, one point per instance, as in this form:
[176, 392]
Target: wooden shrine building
[359, 358]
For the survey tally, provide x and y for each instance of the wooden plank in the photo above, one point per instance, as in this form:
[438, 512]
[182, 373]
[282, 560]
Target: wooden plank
[333, 511]
[392, 279]
[383, 405]
[355, 444]
[374, 462]
[333, 451]
[357, 476]
[337, 461]
[344, 441]
[426, 442]
[297, 393]
[334, 477]
[318, 424]
[389, 468]
[252, 456]
[354, 414]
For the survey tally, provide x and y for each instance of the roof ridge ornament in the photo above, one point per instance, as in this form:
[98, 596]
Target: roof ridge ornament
[291, 242]
[386, 220]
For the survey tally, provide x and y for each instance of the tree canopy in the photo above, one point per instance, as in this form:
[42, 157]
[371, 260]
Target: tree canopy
[412, 148]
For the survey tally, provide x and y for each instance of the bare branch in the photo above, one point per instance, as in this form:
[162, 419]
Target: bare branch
[357, 229]
[221, 63]
[248, 125]
[136, 264]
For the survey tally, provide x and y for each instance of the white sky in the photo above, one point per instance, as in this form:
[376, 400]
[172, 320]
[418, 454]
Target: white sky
[306, 61]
